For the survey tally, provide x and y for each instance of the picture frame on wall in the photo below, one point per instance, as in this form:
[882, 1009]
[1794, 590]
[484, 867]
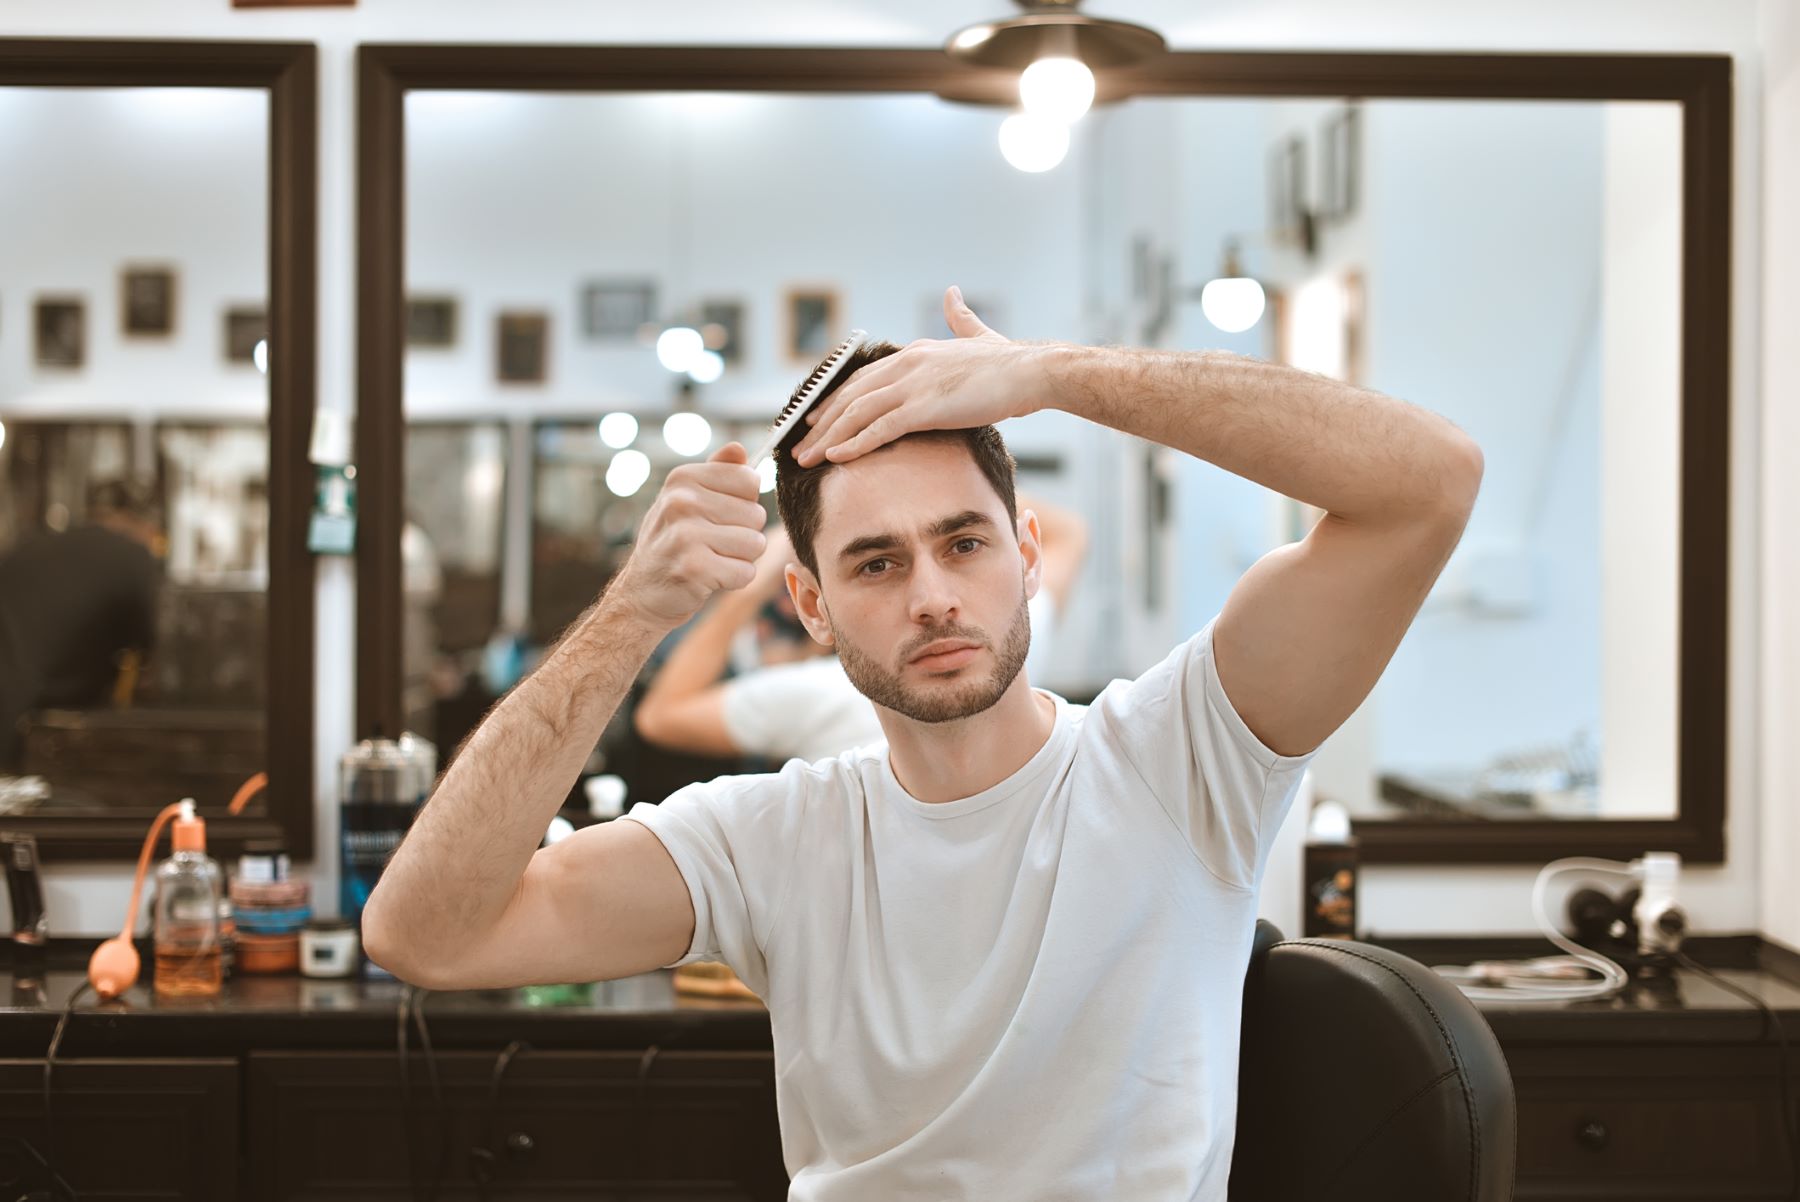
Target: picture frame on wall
[431, 321]
[614, 310]
[522, 346]
[61, 331]
[1289, 221]
[727, 315]
[812, 323]
[1340, 177]
[245, 326]
[147, 301]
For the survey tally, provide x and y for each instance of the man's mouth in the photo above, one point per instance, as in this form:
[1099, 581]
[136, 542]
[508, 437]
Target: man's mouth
[946, 653]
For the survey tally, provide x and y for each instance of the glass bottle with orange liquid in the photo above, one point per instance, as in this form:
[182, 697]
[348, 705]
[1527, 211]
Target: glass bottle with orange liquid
[186, 926]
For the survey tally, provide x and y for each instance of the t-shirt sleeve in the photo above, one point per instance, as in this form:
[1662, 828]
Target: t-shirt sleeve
[1226, 792]
[761, 709]
[734, 839]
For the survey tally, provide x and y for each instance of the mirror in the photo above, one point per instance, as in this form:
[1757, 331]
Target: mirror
[143, 654]
[1515, 264]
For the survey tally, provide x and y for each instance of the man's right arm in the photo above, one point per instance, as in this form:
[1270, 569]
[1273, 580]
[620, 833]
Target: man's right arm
[467, 901]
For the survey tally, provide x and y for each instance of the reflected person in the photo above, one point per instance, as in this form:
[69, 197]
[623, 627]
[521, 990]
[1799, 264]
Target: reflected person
[77, 607]
[1003, 952]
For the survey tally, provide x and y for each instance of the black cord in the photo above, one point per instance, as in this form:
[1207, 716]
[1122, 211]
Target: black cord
[52, 1178]
[417, 1014]
[484, 1162]
[1788, 1131]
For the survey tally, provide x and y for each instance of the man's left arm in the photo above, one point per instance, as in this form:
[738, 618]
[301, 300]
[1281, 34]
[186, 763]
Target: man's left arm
[1308, 630]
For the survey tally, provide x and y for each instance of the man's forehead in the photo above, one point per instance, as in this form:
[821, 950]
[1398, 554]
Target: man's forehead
[901, 489]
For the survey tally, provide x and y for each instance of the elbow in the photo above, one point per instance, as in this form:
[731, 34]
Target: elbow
[1460, 480]
[648, 720]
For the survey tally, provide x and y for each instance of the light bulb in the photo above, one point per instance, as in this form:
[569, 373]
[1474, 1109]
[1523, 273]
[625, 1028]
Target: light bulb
[618, 430]
[3, 438]
[1057, 88]
[765, 475]
[678, 347]
[687, 433]
[627, 472]
[1234, 304]
[707, 367]
[1033, 143]
[259, 355]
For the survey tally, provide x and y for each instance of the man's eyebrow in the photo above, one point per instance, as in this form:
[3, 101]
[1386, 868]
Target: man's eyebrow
[967, 519]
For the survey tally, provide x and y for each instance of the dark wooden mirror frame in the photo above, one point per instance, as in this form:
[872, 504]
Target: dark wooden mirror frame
[1700, 84]
[289, 73]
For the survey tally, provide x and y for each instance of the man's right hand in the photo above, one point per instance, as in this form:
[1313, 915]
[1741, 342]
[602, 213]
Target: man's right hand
[704, 533]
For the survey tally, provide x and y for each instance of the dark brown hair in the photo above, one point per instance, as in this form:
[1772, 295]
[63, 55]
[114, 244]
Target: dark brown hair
[797, 488]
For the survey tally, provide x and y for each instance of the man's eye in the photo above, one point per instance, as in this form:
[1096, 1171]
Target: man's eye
[864, 570]
[973, 543]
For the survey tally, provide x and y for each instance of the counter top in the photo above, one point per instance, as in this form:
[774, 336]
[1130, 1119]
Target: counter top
[294, 1012]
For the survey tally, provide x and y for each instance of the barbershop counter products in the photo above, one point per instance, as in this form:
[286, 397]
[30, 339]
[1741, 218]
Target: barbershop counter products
[1329, 875]
[382, 784]
[186, 924]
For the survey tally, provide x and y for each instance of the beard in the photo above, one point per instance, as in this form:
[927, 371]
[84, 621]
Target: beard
[949, 699]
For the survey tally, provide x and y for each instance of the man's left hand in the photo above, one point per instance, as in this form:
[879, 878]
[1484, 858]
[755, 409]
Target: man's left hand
[977, 378]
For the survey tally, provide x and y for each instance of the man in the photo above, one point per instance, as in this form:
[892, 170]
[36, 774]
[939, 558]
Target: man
[809, 708]
[1003, 952]
[77, 608]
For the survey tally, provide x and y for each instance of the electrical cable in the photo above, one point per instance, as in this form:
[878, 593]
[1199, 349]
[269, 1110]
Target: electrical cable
[484, 1162]
[52, 1178]
[416, 1011]
[1790, 1135]
[1546, 978]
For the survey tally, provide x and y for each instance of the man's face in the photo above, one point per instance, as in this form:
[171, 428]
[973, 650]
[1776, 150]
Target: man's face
[916, 554]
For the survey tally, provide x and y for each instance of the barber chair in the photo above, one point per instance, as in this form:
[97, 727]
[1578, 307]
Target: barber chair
[1363, 1075]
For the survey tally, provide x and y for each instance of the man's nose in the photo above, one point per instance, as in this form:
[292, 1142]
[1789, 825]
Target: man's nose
[933, 598]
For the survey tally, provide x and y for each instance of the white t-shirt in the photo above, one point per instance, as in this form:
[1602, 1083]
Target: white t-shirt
[1032, 993]
[810, 710]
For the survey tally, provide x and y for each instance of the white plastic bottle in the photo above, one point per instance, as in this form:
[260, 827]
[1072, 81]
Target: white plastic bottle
[186, 925]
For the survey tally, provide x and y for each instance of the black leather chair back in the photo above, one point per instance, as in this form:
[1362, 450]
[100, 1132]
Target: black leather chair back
[1365, 1075]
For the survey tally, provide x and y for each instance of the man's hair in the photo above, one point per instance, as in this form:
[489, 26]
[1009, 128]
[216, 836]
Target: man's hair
[797, 488]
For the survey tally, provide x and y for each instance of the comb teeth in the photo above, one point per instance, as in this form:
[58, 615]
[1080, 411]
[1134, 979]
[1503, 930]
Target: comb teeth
[808, 392]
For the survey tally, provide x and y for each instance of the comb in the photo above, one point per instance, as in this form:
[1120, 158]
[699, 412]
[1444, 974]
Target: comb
[808, 393]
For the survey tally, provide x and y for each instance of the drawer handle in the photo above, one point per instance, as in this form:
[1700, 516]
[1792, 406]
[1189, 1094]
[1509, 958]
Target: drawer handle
[519, 1143]
[1592, 1135]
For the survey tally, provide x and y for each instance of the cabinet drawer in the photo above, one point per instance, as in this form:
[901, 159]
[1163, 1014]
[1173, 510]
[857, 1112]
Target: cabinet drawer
[124, 1128]
[662, 1124]
[1649, 1123]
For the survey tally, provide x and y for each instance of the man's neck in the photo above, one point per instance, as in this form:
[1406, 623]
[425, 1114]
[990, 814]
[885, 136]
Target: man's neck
[947, 761]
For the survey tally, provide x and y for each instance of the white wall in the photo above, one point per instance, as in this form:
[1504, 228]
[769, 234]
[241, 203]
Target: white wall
[1396, 900]
[1780, 651]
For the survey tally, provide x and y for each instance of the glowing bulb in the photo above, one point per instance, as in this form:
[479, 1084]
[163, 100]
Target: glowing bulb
[765, 475]
[3, 438]
[687, 433]
[1057, 89]
[1033, 143]
[618, 430]
[678, 347]
[1234, 304]
[627, 472]
[260, 356]
[707, 367]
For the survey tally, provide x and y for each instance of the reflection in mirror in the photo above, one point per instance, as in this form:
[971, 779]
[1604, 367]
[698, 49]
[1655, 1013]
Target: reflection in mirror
[1511, 264]
[133, 448]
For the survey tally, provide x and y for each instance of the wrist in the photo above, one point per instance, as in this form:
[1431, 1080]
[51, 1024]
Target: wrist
[1065, 368]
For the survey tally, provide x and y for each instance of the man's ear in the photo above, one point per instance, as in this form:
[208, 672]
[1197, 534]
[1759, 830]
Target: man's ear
[809, 603]
[1031, 550]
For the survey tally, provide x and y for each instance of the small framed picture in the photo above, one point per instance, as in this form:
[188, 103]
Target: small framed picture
[614, 310]
[1339, 179]
[1289, 221]
[61, 332]
[245, 327]
[812, 323]
[722, 326]
[523, 345]
[147, 301]
[431, 321]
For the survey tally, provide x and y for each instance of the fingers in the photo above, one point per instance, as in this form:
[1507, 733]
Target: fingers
[849, 422]
[962, 319]
[731, 452]
[879, 432]
[732, 479]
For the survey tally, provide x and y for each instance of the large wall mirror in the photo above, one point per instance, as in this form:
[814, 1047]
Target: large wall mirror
[1533, 246]
[156, 345]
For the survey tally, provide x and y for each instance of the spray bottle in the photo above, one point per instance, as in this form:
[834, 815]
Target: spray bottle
[186, 925]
